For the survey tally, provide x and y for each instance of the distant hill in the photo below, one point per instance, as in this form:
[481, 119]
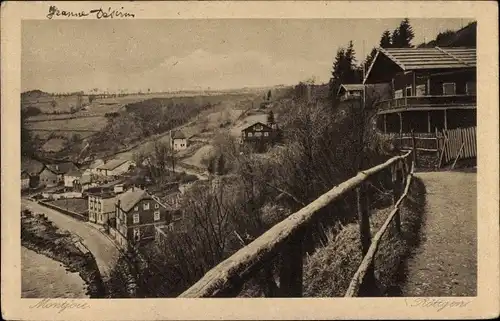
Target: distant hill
[34, 94]
[465, 37]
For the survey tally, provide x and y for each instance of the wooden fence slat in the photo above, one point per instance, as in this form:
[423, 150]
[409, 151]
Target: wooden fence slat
[363, 218]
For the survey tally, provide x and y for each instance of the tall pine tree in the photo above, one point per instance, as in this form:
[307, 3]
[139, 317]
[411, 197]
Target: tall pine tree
[344, 70]
[385, 40]
[403, 35]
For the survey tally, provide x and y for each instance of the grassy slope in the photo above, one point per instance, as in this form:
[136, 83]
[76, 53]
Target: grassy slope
[328, 272]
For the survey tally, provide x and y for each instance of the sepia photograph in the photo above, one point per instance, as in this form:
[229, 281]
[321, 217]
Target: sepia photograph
[247, 158]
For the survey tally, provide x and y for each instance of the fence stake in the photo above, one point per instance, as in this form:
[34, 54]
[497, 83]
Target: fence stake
[292, 267]
[364, 219]
[414, 147]
[397, 180]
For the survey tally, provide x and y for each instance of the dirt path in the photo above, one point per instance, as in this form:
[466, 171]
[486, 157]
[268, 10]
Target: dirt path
[445, 264]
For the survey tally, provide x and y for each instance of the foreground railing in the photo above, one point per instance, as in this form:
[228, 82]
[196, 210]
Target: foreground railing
[286, 239]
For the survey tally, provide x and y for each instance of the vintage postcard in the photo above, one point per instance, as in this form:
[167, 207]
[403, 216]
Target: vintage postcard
[249, 160]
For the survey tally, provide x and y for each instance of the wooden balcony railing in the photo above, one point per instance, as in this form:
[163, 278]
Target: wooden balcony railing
[286, 239]
[427, 101]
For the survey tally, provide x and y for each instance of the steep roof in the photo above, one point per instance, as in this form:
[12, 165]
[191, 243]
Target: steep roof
[177, 134]
[257, 123]
[131, 197]
[427, 58]
[112, 164]
[31, 166]
[75, 173]
[62, 168]
[353, 86]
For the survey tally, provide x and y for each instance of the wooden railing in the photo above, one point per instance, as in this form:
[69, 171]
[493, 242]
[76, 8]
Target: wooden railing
[427, 101]
[286, 239]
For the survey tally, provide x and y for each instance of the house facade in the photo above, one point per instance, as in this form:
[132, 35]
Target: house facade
[178, 140]
[136, 215]
[350, 91]
[101, 206]
[72, 179]
[50, 176]
[431, 88]
[260, 132]
[114, 167]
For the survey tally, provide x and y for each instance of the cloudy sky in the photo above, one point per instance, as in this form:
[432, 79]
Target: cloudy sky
[73, 55]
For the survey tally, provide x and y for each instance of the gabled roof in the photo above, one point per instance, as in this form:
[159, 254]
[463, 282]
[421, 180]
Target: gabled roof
[177, 134]
[75, 173]
[427, 58]
[62, 168]
[257, 123]
[112, 164]
[351, 87]
[31, 166]
[131, 197]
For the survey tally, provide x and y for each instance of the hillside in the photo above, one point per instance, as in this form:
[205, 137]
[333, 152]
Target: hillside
[465, 37]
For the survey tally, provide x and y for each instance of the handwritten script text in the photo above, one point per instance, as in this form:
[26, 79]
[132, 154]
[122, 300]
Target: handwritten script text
[438, 304]
[60, 305]
[99, 13]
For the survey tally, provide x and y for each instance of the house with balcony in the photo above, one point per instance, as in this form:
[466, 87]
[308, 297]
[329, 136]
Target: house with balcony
[431, 88]
[260, 134]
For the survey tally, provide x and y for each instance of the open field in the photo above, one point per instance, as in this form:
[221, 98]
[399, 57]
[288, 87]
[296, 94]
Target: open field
[49, 104]
[90, 124]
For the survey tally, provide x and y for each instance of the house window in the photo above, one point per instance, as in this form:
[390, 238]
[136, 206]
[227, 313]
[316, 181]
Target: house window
[145, 206]
[408, 91]
[398, 93]
[258, 127]
[420, 90]
[137, 234]
[258, 134]
[266, 134]
[157, 215]
[136, 218]
[470, 88]
[157, 206]
[136, 208]
[449, 88]
[250, 134]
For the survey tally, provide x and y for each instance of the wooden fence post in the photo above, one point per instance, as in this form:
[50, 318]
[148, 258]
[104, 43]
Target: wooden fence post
[291, 269]
[368, 286]
[397, 181]
[414, 147]
[364, 218]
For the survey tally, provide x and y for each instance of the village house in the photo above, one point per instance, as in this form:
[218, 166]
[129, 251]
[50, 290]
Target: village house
[432, 88]
[260, 132]
[33, 168]
[114, 167]
[136, 215]
[25, 180]
[72, 179]
[101, 205]
[350, 91]
[50, 176]
[178, 140]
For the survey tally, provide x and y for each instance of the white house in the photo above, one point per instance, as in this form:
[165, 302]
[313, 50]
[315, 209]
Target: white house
[72, 178]
[114, 167]
[178, 140]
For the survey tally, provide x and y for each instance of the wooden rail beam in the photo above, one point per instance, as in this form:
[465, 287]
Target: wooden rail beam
[242, 265]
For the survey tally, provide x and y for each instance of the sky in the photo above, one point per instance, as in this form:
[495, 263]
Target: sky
[191, 54]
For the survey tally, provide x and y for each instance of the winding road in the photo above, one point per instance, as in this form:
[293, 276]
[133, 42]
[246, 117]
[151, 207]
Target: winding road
[104, 250]
[445, 263]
